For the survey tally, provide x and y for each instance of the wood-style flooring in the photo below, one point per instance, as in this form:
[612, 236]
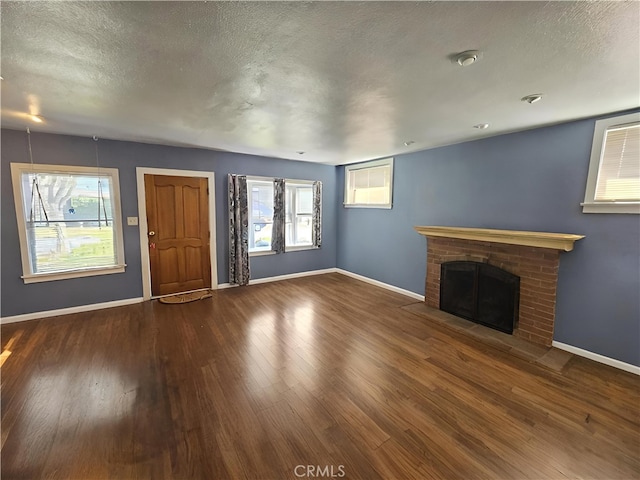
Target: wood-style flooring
[308, 378]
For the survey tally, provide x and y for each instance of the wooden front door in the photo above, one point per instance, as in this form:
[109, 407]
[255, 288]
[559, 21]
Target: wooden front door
[178, 233]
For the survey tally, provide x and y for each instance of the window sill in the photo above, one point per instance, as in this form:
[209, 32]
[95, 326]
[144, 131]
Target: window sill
[260, 253]
[299, 248]
[611, 207]
[49, 277]
[387, 206]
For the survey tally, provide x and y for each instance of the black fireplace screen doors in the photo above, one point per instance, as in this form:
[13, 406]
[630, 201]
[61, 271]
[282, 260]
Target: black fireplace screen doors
[481, 293]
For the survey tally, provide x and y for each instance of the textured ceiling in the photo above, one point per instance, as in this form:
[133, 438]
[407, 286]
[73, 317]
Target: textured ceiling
[341, 81]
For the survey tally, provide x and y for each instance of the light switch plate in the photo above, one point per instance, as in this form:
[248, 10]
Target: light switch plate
[132, 220]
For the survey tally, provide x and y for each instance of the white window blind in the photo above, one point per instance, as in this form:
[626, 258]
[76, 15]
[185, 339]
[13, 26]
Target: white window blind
[613, 182]
[369, 184]
[619, 173]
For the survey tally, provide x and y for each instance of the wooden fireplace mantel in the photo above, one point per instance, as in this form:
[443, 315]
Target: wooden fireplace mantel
[557, 241]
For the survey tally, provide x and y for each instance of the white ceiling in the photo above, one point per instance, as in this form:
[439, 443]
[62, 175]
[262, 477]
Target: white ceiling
[341, 81]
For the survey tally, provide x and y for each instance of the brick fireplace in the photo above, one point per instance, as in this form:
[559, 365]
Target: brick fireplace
[533, 256]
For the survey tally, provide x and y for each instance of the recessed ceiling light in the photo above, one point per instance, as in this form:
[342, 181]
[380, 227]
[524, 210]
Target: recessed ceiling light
[464, 59]
[536, 97]
[409, 142]
[37, 118]
[481, 126]
[300, 152]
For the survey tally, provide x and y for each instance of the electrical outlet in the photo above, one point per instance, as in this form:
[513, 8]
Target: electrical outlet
[132, 221]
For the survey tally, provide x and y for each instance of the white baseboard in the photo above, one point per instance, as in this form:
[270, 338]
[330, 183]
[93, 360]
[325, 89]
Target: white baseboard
[291, 275]
[362, 278]
[596, 357]
[277, 278]
[65, 311]
[377, 283]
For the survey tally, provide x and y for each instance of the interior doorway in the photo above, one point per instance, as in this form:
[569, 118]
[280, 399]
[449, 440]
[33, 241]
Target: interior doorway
[177, 234]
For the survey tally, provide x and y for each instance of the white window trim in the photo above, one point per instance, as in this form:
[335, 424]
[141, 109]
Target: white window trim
[298, 248]
[590, 205]
[264, 180]
[85, 272]
[287, 249]
[372, 164]
[261, 253]
[27, 276]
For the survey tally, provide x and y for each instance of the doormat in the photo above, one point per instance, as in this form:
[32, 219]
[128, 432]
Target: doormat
[185, 297]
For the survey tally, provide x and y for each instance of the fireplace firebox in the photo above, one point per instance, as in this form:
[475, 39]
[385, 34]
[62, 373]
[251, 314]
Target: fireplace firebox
[480, 292]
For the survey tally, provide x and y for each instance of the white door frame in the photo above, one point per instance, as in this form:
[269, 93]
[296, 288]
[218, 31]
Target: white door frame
[142, 223]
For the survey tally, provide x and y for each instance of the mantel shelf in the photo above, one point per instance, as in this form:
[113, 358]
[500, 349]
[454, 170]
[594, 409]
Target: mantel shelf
[557, 241]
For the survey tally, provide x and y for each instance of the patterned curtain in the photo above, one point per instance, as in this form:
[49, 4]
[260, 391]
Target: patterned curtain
[277, 233]
[238, 231]
[317, 214]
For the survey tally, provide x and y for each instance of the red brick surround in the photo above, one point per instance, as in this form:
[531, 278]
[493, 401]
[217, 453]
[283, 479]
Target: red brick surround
[536, 267]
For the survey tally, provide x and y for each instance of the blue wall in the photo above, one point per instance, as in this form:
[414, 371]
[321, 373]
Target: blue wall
[18, 298]
[533, 180]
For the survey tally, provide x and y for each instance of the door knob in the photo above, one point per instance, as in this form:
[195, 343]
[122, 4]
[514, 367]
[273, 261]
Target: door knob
[151, 233]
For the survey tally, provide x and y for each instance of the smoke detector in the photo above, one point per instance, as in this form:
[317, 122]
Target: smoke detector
[469, 57]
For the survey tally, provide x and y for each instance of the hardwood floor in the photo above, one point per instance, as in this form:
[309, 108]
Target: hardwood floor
[324, 371]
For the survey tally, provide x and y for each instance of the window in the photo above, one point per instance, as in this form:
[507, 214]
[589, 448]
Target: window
[613, 184]
[68, 220]
[260, 200]
[298, 214]
[369, 185]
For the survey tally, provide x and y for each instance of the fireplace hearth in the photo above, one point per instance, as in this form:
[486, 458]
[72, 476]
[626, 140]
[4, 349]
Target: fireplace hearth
[481, 293]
